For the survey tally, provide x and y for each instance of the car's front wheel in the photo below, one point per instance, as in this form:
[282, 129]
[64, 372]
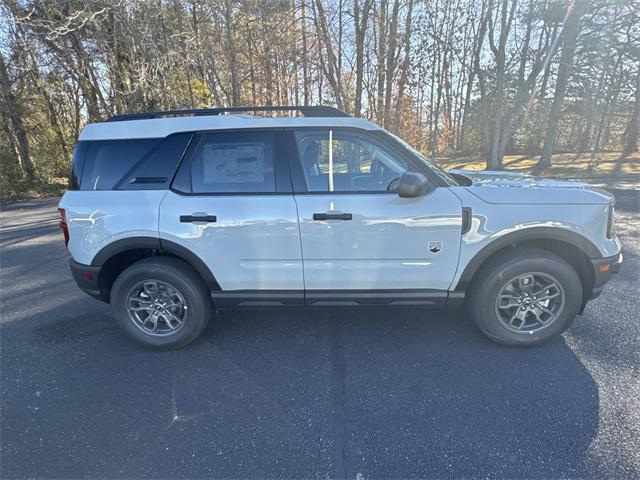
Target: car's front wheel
[161, 302]
[525, 296]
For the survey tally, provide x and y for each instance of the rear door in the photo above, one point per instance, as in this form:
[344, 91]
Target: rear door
[231, 204]
[358, 236]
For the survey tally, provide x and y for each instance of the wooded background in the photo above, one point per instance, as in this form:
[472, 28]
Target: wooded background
[479, 78]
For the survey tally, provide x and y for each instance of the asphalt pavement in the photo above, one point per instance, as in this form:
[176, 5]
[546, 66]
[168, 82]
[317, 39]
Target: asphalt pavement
[384, 393]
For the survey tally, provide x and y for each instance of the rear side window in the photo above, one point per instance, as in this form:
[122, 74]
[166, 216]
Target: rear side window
[155, 169]
[77, 164]
[107, 161]
[141, 164]
[234, 163]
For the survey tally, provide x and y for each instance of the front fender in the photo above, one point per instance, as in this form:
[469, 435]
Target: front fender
[509, 237]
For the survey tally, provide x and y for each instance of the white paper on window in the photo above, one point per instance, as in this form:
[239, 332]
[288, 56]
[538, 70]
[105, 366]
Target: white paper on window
[233, 163]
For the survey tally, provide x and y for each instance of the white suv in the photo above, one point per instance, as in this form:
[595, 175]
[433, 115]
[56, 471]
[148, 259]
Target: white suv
[172, 214]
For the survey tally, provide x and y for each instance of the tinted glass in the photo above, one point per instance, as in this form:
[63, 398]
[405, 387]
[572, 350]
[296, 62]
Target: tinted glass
[234, 163]
[357, 163]
[107, 161]
[77, 163]
[156, 168]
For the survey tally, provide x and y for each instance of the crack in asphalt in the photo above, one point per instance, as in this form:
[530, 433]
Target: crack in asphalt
[338, 398]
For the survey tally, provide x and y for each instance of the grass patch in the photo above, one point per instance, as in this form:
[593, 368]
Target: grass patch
[19, 189]
[564, 165]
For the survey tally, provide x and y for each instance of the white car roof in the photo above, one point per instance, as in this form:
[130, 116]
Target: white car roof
[161, 127]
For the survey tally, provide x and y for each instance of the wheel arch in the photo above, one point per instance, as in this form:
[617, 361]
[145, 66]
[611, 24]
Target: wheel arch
[114, 258]
[572, 247]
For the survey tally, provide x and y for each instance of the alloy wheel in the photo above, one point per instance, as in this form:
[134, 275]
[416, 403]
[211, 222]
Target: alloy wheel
[156, 307]
[530, 302]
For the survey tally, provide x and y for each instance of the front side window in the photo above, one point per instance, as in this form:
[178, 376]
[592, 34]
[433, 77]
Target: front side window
[234, 163]
[433, 167]
[341, 161]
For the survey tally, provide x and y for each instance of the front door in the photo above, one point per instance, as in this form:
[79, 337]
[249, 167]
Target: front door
[358, 236]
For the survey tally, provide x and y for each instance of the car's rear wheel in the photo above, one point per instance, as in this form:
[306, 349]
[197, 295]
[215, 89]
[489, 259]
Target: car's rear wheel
[525, 296]
[161, 302]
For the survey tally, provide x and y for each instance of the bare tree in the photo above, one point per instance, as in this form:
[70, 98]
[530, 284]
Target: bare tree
[12, 110]
[570, 32]
[361, 21]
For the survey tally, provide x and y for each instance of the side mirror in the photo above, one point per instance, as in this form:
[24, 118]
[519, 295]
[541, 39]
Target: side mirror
[413, 184]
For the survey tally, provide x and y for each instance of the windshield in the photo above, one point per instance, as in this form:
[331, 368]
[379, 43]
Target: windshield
[432, 166]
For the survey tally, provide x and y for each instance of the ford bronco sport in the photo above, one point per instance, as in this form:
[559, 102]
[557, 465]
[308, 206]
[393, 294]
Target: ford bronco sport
[172, 214]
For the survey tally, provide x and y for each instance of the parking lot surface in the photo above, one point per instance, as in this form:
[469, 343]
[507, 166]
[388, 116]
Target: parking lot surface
[385, 393]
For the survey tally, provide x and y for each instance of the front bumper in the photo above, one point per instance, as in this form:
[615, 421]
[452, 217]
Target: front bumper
[604, 269]
[86, 278]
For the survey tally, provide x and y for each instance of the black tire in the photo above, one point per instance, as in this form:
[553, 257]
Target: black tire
[184, 279]
[492, 277]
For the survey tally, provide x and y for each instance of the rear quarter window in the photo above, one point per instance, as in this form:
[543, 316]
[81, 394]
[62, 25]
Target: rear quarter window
[77, 164]
[107, 161]
[156, 168]
[138, 164]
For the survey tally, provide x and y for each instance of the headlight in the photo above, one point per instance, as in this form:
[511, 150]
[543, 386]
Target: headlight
[611, 222]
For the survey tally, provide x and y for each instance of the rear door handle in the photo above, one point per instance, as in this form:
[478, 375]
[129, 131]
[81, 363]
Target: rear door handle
[332, 216]
[197, 218]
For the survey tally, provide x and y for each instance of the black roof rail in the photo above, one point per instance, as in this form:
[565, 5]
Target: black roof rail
[307, 111]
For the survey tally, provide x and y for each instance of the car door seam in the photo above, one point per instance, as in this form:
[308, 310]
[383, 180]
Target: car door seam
[304, 285]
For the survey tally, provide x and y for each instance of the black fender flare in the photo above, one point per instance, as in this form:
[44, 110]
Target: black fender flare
[162, 246]
[526, 234]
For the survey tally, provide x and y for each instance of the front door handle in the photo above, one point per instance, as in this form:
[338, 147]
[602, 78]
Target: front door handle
[197, 218]
[332, 216]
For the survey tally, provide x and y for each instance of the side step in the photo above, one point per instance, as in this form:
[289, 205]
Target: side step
[336, 298]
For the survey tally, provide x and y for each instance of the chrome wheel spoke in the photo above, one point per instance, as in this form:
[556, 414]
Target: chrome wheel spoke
[151, 319]
[516, 316]
[537, 316]
[171, 320]
[547, 293]
[544, 289]
[174, 305]
[512, 301]
[156, 307]
[529, 302]
[140, 309]
[552, 316]
[548, 297]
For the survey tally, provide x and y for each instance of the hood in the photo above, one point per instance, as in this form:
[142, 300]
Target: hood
[514, 187]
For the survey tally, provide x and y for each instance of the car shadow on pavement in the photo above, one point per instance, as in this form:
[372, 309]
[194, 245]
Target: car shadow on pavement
[415, 393]
[326, 393]
[428, 395]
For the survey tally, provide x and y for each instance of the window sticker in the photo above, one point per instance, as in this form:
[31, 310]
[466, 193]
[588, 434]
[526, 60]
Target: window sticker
[233, 163]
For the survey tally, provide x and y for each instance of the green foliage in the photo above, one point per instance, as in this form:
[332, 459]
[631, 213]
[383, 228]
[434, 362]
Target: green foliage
[14, 185]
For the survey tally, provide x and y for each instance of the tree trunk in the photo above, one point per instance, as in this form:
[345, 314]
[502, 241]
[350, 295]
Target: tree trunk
[331, 69]
[404, 68]
[633, 129]
[391, 63]
[81, 65]
[475, 71]
[232, 55]
[305, 56]
[382, 41]
[494, 159]
[361, 19]
[570, 33]
[14, 114]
